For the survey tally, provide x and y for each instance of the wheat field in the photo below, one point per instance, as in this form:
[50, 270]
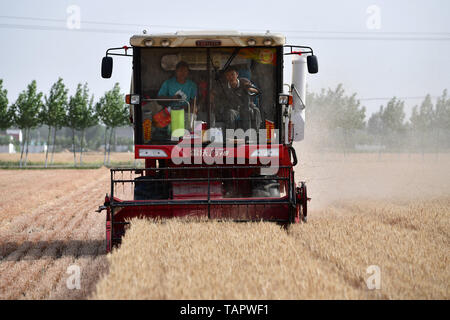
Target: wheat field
[388, 210]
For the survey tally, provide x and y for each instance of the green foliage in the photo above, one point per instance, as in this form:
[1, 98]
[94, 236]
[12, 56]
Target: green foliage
[88, 117]
[442, 112]
[28, 107]
[332, 117]
[77, 104]
[430, 124]
[5, 140]
[6, 114]
[333, 109]
[111, 108]
[53, 111]
[422, 119]
[393, 116]
[375, 123]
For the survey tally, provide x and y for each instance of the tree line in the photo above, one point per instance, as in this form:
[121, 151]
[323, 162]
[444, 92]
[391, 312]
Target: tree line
[336, 120]
[57, 109]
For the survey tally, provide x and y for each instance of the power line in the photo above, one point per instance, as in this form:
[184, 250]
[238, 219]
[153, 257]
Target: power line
[93, 30]
[371, 38]
[399, 98]
[368, 35]
[54, 28]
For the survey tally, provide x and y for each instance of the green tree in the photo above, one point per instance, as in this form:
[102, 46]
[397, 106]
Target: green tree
[375, 124]
[6, 114]
[350, 117]
[333, 110]
[53, 112]
[422, 120]
[88, 118]
[26, 114]
[393, 116]
[393, 122]
[112, 112]
[74, 113]
[442, 118]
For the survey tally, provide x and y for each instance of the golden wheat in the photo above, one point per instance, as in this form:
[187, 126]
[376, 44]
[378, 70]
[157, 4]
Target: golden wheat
[389, 210]
[326, 258]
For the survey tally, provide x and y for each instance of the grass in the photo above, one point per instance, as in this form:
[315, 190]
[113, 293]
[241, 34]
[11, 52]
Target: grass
[64, 160]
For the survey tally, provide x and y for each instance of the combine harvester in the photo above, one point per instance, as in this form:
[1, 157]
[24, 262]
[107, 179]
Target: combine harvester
[217, 137]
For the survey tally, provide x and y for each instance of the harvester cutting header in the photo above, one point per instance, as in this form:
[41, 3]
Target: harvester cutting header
[215, 129]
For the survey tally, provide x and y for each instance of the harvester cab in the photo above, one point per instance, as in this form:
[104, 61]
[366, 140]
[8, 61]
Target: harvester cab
[215, 128]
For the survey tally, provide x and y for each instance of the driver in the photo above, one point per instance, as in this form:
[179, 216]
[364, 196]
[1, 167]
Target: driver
[237, 96]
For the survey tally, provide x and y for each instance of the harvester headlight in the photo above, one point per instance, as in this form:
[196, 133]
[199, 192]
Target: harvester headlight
[152, 153]
[165, 42]
[148, 42]
[132, 99]
[283, 99]
[268, 42]
[251, 42]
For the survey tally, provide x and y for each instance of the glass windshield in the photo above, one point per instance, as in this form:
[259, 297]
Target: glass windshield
[184, 89]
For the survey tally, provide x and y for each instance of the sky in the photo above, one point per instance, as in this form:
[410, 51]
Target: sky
[377, 49]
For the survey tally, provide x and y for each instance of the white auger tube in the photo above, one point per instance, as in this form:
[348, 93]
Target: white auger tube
[298, 91]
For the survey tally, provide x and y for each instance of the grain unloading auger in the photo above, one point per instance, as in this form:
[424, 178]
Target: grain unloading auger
[215, 129]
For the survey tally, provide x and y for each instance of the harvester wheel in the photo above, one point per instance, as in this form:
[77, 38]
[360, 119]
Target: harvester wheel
[108, 233]
[303, 203]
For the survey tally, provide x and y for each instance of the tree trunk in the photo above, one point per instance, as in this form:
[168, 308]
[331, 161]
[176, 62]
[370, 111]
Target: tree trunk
[54, 143]
[26, 151]
[422, 144]
[22, 147]
[437, 143]
[48, 145]
[345, 142]
[73, 148]
[104, 153]
[109, 145]
[115, 141]
[380, 146]
[81, 151]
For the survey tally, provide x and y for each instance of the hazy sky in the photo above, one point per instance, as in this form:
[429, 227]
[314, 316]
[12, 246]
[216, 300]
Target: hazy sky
[377, 49]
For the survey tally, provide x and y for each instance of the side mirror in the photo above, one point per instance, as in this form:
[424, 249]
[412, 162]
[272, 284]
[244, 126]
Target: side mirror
[107, 66]
[313, 65]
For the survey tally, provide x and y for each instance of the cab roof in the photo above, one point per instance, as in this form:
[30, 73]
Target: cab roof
[208, 39]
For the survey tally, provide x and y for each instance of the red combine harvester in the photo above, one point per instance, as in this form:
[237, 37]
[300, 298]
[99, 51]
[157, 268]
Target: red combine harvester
[215, 129]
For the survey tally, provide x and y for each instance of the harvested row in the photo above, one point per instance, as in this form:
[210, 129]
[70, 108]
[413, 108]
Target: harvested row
[37, 246]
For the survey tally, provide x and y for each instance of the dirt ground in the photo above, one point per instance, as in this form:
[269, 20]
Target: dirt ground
[388, 210]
